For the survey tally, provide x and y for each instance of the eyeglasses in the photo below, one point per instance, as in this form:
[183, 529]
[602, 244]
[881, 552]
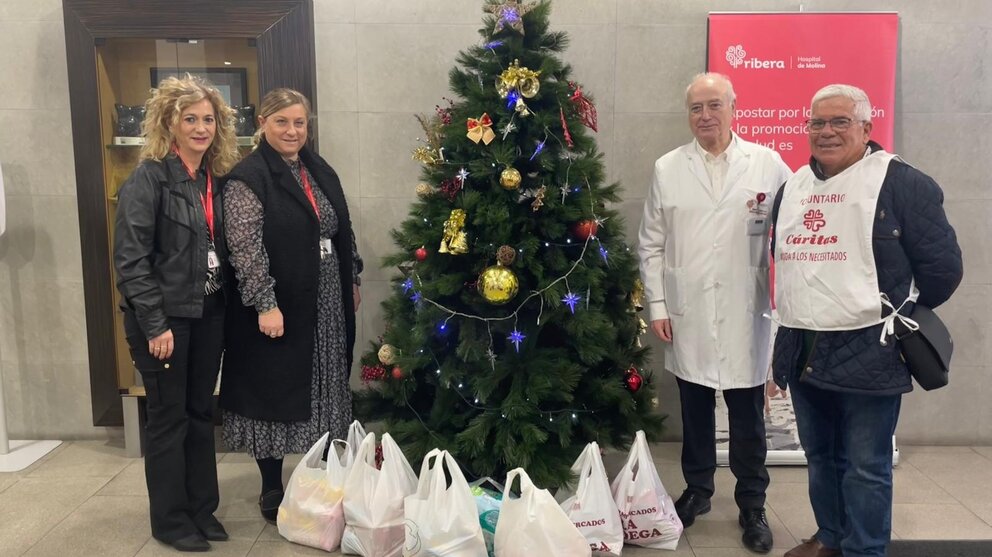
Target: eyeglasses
[837, 124]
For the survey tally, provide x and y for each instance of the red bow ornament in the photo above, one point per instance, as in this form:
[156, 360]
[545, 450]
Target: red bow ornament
[481, 129]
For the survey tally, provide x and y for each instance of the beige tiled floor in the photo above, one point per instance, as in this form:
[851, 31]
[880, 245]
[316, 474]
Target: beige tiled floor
[87, 499]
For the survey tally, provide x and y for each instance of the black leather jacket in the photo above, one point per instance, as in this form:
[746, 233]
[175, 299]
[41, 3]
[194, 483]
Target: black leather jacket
[161, 242]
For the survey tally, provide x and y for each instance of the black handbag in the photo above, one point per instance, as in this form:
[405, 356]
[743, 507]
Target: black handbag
[927, 350]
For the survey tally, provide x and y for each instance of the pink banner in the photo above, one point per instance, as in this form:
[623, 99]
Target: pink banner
[777, 61]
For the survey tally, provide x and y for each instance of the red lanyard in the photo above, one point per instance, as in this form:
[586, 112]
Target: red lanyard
[307, 189]
[208, 200]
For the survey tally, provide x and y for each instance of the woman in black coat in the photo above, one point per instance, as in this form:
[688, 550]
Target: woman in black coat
[168, 253]
[290, 339]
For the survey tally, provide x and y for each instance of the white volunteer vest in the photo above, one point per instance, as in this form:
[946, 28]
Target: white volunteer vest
[825, 275]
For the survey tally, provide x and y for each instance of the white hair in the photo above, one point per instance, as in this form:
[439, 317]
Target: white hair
[731, 95]
[862, 106]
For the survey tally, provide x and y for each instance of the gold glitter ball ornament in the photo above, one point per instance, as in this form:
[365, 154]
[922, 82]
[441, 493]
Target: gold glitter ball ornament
[387, 354]
[498, 285]
[510, 178]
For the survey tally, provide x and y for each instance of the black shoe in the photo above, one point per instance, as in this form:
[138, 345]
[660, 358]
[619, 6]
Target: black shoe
[192, 542]
[757, 535]
[269, 503]
[690, 505]
[214, 531]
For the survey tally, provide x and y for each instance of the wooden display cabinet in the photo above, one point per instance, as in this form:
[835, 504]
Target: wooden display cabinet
[116, 52]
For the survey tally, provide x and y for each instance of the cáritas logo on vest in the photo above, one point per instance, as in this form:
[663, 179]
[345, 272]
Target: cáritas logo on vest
[810, 240]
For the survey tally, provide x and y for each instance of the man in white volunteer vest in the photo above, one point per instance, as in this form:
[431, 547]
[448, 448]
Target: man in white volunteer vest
[703, 245]
[859, 238]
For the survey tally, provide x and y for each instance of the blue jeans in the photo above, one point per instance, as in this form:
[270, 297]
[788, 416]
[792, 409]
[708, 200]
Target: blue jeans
[848, 442]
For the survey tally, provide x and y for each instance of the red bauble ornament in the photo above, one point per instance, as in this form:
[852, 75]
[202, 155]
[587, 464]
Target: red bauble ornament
[421, 253]
[397, 372]
[633, 381]
[585, 229]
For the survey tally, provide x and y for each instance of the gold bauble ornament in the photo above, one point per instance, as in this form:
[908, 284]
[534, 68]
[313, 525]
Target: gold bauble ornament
[387, 354]
[498, 285]
[510, 178]
[424, 190]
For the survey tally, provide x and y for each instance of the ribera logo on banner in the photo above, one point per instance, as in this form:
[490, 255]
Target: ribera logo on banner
[737, 57]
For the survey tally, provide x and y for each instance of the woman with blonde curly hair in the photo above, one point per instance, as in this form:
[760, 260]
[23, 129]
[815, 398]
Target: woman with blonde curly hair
[169, 253]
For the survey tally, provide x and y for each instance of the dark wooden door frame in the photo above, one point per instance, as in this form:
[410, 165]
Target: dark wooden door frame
[283, 31]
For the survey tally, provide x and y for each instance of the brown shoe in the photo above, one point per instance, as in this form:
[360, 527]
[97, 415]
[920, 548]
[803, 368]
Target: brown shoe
[812, 548]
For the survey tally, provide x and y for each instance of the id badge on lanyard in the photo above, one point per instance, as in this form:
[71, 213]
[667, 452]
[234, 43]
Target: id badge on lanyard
[325, 243]
[213, 261]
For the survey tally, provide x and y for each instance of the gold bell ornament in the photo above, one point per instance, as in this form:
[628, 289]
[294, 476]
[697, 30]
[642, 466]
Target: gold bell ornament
[454, 240]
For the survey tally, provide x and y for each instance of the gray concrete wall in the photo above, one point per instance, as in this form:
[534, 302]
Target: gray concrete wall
[381, 61]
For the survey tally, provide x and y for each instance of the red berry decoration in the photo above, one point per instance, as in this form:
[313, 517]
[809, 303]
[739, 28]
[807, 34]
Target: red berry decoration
[397, 372]
[421, 253]
[585, 229]
[372, 373]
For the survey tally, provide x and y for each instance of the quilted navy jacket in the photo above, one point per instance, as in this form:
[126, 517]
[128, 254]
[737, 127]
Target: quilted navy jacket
[911, 238]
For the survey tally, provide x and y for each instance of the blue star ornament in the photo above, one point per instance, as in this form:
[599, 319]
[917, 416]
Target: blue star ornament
[516, 337]
[570, 300]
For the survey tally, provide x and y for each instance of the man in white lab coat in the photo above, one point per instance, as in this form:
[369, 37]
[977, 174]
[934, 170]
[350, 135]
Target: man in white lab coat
[703, 245]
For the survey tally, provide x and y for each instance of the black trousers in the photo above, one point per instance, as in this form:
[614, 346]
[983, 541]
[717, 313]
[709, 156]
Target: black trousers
[747, 441]
[180, 459]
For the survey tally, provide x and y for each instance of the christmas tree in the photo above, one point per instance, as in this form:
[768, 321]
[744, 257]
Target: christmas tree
[512, 338]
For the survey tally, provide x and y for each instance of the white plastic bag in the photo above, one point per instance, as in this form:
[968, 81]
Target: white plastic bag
[312, 511]
[440, 518]
[646, 511]
[356, 433]
[534, 524]
[373, 500]
[591, 506]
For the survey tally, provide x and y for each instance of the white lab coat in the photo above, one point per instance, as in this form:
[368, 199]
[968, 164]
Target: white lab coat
[704, 263]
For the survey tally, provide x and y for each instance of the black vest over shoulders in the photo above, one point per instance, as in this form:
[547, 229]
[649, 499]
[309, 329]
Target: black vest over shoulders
[269, 379]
